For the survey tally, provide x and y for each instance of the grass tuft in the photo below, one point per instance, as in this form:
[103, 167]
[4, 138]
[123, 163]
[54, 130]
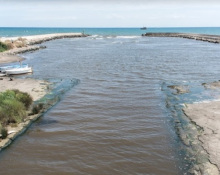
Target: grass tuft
[3, 47]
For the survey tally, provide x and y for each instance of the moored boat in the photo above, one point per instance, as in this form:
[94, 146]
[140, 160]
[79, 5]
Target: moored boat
[20, 70]
[143, 28]
[4, 68]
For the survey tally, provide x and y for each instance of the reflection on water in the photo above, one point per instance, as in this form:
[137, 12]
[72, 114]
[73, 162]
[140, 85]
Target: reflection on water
[114, 121]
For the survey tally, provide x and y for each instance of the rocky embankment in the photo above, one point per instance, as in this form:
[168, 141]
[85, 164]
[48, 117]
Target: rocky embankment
[23, 44]
[201, 37]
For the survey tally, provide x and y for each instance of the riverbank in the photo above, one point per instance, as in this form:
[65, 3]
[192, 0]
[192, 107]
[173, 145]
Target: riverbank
[200, 37]
[206, 115]
[37, 90]
[27, 43]
[196, 112]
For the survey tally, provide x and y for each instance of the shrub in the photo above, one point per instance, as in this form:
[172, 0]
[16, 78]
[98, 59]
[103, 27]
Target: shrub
[13, 106]
[41, 105]
[13, 111]
[24, 97]
[37, 108]
[4, 133]
[10, 44]
[19, 44]
[3, 47]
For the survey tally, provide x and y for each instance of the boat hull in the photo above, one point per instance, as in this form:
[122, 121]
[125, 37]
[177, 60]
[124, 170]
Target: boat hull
[3, 69]
[18, 71]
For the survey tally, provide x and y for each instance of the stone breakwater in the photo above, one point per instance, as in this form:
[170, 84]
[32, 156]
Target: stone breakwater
[27, 43]
[200, 37]
[38, 39]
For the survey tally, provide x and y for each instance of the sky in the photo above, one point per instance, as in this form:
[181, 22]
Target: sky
[109, 13]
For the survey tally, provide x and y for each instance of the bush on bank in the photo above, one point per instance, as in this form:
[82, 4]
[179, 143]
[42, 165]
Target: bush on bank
[3, 47]
[13, 106]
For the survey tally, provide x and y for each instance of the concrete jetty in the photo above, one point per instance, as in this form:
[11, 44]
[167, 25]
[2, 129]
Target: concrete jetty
[200, 37]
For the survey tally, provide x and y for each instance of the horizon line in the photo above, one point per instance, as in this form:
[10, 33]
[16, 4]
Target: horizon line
[112, 27]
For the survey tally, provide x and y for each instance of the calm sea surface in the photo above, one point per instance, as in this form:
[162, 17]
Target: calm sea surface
[114, 122]
[24, 31]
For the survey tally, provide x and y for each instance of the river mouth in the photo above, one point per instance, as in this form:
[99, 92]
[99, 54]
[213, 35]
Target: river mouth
[115, 120]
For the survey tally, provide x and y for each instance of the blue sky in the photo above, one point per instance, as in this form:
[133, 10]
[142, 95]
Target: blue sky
[114, 13]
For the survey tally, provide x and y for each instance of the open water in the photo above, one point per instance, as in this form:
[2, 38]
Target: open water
[24, 31]
[114, 121]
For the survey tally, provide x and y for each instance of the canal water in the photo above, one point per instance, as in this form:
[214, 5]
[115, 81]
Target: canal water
[114, 120]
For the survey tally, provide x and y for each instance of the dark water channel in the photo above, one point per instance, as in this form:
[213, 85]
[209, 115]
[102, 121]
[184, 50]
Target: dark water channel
[114, 121]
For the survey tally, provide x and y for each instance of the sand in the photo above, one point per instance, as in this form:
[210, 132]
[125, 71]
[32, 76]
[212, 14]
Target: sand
[36, 88]
[6, 58]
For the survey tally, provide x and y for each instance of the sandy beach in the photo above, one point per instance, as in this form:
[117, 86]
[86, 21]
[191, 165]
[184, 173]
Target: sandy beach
[36, 88]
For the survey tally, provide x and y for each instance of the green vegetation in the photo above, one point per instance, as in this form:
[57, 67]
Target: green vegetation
[23, 97]
[13, 106]
[37, 108]
[3, 47]
[4, 133]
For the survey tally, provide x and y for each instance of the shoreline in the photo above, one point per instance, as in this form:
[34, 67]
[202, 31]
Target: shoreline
[28, 44]
[45, 92]
[197, 124]
[207, 117]
[200, 37]
[37, 90]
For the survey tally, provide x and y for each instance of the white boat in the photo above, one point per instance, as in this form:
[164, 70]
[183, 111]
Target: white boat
[4, 68]
[21, 70]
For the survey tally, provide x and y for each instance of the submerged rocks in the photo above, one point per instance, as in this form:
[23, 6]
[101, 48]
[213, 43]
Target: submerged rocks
[179, 89]
[212, 85]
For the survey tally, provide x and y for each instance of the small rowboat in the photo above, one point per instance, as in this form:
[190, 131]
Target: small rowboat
[3, 69]
[21, 70]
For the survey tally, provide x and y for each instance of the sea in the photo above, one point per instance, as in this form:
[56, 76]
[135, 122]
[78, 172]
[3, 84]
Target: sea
[114, 120]
[26, 31]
